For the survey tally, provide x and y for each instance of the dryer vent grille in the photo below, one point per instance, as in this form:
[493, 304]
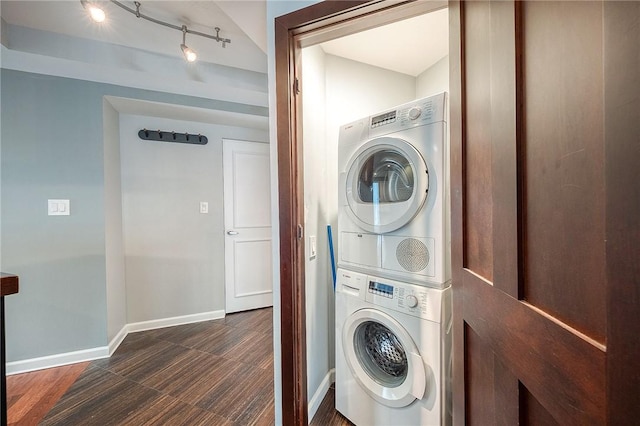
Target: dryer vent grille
[412, 255]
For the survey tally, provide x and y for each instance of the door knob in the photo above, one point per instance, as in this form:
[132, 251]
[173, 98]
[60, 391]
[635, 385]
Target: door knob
[232, 232]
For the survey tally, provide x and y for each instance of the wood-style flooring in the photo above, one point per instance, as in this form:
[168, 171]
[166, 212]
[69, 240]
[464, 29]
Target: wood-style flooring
[209, 373]
[30, 396]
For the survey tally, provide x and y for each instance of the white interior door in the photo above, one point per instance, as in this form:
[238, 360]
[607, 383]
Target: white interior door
[247, 217]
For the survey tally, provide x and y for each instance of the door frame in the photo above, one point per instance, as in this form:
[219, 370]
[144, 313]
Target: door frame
[331, 19]
[312, 25]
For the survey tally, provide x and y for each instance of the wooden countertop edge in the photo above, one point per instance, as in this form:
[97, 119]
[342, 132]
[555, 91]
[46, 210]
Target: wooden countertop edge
[8, 284]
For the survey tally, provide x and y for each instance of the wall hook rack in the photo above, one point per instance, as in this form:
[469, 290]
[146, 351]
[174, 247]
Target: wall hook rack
[162, 136]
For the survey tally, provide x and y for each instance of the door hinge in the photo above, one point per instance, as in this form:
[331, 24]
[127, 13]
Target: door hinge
[300, 231]
[296, 86]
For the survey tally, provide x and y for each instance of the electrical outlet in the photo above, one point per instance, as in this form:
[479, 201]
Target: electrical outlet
[204, 207]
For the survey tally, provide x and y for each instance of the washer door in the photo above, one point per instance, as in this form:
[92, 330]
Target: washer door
[387, 184]
[383, 358]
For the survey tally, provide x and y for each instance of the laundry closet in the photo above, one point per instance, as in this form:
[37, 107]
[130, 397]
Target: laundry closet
[337, 88]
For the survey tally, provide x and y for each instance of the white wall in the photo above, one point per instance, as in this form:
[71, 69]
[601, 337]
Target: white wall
[174, 254]
[335, 91]
[434, 79]
[356, 90]
[317, 177]
[114, 245]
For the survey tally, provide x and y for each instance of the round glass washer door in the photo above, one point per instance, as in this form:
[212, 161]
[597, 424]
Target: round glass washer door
[387, 185]
[383, 358]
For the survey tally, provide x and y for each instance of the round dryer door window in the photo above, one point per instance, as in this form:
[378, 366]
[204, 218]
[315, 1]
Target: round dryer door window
[387, 185]
[383, 358]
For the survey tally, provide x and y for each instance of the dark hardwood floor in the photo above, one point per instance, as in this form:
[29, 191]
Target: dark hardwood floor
[209, 373]
[327, 414]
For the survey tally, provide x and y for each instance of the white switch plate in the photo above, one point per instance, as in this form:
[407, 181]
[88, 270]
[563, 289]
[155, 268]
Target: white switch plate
[58, 208]
[204, 207]
[313, 246]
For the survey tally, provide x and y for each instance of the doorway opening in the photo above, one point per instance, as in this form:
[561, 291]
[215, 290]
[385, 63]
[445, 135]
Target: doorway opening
[315, 51]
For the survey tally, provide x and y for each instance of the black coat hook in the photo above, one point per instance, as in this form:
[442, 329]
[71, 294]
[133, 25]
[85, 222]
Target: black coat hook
[158, 135]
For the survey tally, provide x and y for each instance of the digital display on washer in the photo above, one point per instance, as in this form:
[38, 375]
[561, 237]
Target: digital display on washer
[382, 119]
[380, 289]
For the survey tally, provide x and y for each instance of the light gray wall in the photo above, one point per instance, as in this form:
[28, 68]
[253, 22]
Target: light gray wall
[356, 90]
[52, 147]
[434, 79]
[336, 91]
[318, 280]
[174, 254]
[114, 245]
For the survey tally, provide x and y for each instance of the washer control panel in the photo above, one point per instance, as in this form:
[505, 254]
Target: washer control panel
[422, 302]
[381, 289]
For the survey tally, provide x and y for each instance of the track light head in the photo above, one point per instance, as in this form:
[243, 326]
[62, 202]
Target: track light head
[189, 54]
[96, 13]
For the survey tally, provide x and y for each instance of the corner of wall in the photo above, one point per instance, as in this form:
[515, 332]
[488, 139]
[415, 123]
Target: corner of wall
[113, 239]
[319, 394]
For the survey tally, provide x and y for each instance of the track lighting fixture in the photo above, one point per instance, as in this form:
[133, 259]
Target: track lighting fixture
[189, 54]
[97, 13]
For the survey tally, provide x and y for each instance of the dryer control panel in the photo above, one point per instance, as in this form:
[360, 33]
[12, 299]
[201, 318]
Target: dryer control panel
[416, 113]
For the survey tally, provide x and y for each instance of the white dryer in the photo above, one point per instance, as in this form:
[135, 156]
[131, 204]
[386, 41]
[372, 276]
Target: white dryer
[393, 353]
[394, 194]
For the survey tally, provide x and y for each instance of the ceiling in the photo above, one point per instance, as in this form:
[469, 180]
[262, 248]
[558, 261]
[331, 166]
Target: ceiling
[408, 46]
[244, 22]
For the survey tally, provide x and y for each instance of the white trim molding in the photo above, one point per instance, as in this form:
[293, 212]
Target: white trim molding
[173, 321]
[58, 360]
[319, 394]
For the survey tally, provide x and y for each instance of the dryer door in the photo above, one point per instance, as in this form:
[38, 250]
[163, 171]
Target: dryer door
[386, 185]
[383, 358]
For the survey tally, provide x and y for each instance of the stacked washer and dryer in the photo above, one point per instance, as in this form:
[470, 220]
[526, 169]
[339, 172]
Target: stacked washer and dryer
[393, 295]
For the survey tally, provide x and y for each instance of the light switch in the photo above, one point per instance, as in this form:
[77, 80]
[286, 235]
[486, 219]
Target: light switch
[313, 247]
[204, 207]
[58, 208]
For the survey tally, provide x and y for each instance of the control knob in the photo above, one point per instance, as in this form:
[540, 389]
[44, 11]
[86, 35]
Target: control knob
[412, 301]
[414, 113]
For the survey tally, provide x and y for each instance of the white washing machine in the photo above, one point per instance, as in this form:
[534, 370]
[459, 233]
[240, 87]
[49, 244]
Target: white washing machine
[393, 357]
[394, 194]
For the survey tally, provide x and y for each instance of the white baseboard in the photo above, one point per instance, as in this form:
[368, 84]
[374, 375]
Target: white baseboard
[319, 394]
[58, 360]
[115, 342]
[170, 322]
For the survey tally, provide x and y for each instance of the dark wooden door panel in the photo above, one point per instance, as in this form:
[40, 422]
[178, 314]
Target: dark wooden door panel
[622, 154]
[478, 249]
[564, 179]
[564, 370]
[492, 388]
[528, 196]
[532, 412]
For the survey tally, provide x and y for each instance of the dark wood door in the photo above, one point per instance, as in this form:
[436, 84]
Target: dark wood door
[545, 207]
